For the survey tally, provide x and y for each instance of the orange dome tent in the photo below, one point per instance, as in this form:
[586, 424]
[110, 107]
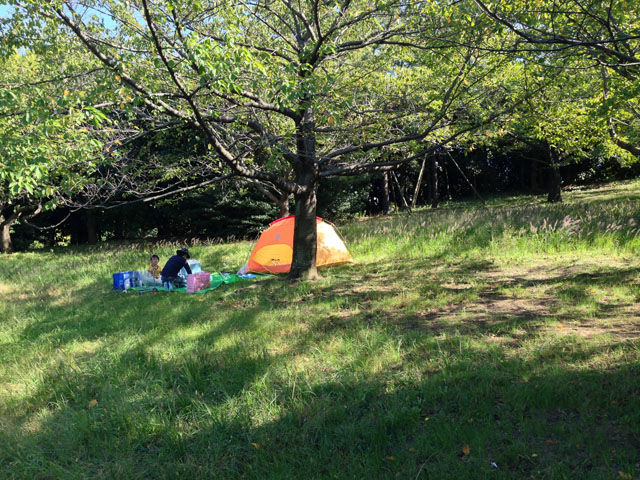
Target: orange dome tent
[274, 250]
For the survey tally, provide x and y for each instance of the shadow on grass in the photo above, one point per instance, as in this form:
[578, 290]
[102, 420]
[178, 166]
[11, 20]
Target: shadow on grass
[240, 409]
[208, 417]
[411, 294]
[92, 312]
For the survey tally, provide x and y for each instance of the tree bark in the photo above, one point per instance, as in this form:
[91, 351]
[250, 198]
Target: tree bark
[11, 215]
[283, 205]
[7, 219]
[305, 232]
[555, 195]
[5, 238]
[555, 182]
[418, 182]
[386, 206]
[305, 237]
[555, 186]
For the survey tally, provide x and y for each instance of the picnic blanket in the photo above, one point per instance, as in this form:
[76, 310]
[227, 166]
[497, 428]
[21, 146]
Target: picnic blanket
[217, 279]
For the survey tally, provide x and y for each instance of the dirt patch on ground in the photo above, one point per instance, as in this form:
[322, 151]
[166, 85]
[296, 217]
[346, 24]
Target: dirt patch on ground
[5, 289]
[492, 304]
[530, 298]
[623, 324]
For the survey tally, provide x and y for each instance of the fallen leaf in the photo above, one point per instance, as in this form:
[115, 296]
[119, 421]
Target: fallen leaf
[93, 403]
[622, 474]
[560, 325]
[391, 458]
[412, 450]
[613, 452]
[426, 419]
[549, 442]
[466, 449]
[255, 445]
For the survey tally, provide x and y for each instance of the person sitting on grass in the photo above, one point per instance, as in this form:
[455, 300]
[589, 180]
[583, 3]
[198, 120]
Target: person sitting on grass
[154, 267]
[169, 274]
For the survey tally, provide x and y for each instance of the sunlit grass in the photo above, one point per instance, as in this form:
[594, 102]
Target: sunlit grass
[512, 329]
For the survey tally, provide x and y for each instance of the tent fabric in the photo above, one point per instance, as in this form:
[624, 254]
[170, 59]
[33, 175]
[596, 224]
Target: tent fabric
[274, 251]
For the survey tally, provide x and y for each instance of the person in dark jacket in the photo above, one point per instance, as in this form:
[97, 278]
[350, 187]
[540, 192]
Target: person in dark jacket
[169, 274]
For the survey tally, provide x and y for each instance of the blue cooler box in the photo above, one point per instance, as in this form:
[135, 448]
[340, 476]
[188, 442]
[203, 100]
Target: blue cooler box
[126, 280]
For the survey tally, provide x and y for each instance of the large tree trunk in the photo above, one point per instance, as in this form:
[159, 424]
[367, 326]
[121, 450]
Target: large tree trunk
[555, 186]
[386, 205]
[305, 237]
[305, 232]
[555, 182]
[10, 216]
[5, 238]
[7, 219]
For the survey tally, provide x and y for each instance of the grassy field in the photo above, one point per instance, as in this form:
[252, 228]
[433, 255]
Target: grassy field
[466, 342]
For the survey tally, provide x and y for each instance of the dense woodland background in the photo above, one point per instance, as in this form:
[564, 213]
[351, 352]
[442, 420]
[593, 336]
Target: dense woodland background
[232, 211]
[208, 119]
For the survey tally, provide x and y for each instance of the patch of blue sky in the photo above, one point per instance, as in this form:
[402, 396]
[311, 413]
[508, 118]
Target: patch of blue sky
[7, 10]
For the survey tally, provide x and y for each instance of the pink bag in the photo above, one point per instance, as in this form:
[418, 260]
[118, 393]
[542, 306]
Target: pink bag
[198, 281]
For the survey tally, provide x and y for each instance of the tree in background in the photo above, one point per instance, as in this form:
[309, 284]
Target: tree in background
[47, 142]
[318, 84]
[600, 37]
[556, 125]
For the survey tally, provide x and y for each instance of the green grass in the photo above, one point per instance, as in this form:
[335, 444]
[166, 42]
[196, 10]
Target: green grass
[511, 329]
